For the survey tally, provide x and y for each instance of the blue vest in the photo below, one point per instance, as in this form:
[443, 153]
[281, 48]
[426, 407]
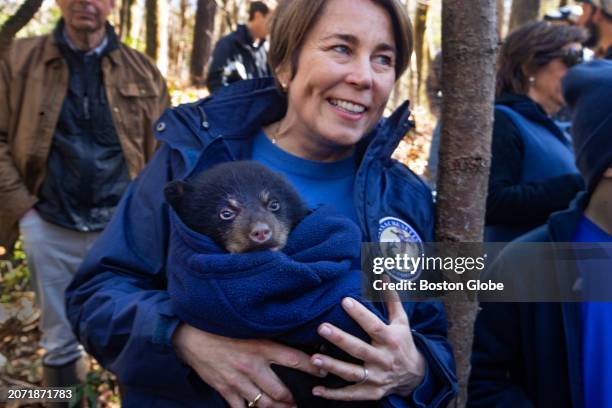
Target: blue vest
[545, 156]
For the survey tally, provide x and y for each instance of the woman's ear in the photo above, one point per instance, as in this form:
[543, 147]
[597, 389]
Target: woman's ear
[283, 75]
[529, 73]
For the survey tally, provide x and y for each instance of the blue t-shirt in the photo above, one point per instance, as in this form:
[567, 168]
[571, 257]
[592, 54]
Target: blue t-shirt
[317, 182]
[596, 331]
[325, 183]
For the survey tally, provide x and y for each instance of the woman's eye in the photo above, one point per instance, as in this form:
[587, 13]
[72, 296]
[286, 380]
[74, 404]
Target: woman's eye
[227, 214]
[341, 49]
[274, 205]
[384, 60]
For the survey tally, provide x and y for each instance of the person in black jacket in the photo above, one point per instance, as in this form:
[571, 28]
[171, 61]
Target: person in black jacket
[532, 169]
[242, 54]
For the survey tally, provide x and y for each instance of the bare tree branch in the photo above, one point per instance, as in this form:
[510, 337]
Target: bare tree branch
[16, 22]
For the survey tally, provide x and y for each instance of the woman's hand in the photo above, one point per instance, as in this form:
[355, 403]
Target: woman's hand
[240, 369]
[392, 363]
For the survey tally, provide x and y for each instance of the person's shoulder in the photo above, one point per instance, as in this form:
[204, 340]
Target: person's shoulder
[28, 43]
[229, 38]
[134, 54]
[137, 59]
[404, 174]
[540, 234]
[183, 126]
[25, 51]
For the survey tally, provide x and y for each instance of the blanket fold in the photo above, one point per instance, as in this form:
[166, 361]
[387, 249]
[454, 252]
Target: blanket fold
[267, 294]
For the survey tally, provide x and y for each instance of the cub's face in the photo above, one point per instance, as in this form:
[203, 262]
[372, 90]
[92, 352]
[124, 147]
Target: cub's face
[242, 206]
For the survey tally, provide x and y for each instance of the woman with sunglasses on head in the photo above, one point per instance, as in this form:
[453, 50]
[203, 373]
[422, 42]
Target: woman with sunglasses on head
[532, 169]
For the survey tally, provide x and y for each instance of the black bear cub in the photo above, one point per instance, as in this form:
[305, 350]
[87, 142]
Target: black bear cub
[243, 206]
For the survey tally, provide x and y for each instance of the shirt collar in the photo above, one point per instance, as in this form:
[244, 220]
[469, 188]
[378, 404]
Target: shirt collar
[97, 51]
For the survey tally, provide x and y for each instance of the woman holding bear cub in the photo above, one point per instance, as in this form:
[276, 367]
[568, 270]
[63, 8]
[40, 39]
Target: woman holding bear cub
[336, 62]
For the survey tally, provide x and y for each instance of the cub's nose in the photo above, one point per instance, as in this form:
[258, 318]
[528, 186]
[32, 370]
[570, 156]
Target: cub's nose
[260, 233]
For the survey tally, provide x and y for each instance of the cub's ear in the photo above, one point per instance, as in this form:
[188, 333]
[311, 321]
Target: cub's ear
[175, 191]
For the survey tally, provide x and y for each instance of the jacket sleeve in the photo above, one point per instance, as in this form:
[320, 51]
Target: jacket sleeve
[495, 355]
[117, 304]
[509, 199]
[15, 198]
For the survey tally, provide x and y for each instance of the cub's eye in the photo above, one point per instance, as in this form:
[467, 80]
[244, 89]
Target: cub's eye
[227, 214]
[273, 205]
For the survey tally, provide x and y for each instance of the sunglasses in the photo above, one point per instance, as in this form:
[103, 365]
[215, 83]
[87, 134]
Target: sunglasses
[569, 56]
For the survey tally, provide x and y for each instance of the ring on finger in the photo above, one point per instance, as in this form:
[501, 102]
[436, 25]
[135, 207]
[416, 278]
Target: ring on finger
[255, 400]
[364, 376]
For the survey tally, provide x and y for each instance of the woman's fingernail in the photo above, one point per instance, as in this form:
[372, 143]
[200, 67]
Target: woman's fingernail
[325, 331]
[348, 303]
[317, 362]
[316, 392]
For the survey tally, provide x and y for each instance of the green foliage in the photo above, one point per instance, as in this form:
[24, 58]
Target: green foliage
[14, 274]
[97, 383]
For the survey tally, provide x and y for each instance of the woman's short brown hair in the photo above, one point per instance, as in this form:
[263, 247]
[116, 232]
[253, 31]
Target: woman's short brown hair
[528, 48]
[293, 20]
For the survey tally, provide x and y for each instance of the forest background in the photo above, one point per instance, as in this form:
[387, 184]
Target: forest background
[180, 35]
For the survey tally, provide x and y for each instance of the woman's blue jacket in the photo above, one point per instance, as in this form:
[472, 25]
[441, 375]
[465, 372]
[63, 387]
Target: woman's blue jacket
[118, 304]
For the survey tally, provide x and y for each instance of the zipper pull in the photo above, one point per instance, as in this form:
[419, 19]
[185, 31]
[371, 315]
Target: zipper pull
[86, 107]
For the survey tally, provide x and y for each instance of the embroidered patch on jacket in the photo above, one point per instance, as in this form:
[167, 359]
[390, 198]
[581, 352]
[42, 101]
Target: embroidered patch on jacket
[399, 238]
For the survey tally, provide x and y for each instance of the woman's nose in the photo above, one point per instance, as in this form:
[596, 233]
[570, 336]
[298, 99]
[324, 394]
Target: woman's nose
[361, 74]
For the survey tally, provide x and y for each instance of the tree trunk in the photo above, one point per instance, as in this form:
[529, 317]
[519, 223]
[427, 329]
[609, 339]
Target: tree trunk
[226, 22]
[125, 24]
[420, 43]
[202, 40]
[562, 3]
[157, 33]
[177, 43]
[151, 24]
[469, 45]
[523, 11]
[16, 22]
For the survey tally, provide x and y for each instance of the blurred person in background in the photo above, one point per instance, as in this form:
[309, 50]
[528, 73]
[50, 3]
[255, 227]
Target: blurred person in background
[532, 170]
[597, 19]
[242, 54]
[566, 15]
[76, 125]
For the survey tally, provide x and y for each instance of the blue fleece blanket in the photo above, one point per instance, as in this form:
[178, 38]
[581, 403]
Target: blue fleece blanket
[266, 294]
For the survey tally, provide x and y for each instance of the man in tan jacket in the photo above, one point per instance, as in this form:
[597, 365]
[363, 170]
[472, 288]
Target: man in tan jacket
[77, 110]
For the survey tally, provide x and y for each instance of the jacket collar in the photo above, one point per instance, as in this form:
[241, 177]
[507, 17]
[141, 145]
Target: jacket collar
[562, 225]
[238, 111]
[51, 50]
[531, 110]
